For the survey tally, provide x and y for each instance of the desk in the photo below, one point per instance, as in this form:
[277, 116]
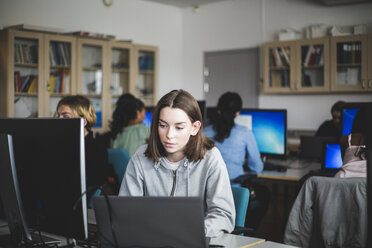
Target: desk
[236, 241]
[270, 244]
[296, 169]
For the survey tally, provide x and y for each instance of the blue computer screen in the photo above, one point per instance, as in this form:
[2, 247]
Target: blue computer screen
[347, 120]
[269, 128]
[333, 158]
[148, 118]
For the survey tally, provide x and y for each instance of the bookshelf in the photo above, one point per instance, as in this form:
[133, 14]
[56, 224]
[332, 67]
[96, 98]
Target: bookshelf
[352, 55]
[279, 68]
[331, 64]
[37, 69]
[146, 73]
[122, 70]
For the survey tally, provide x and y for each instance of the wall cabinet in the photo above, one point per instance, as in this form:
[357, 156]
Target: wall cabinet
[335, 64]
[296, 66]
[351, 70]
[38, 69]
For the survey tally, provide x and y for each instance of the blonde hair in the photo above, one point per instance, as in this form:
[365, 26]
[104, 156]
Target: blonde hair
[197, 145]
[81, 107]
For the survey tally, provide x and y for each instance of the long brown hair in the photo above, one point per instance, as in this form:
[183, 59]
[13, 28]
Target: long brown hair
[197, 145]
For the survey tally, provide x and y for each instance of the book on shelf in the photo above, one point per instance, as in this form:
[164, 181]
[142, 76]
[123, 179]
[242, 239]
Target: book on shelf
[285, 57]
[278, 61]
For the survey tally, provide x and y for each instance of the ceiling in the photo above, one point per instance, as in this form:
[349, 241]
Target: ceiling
[186, 3]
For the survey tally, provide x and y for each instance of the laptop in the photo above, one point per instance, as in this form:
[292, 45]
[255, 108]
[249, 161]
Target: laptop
[150, 221]
[332, 159]
[312, 147]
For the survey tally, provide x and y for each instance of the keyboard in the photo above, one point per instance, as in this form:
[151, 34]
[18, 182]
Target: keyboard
[269, 166]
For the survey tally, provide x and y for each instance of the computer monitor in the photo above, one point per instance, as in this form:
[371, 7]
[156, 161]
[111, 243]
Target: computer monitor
[148, 117]
[202, 107]
[349, 110]
[49, 155]
[9, 191]
[269, 127]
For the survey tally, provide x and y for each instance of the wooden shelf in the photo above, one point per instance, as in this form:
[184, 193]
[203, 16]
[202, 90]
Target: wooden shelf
[92, 68]
[119, 70]
[26, 65]
[65, 67]
[25, 94]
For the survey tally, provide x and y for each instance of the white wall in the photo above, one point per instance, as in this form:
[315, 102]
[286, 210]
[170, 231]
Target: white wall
[143, 22]
[183, 36]
[243, 24]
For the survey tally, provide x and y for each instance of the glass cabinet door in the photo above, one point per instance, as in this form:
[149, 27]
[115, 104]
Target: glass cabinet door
[146, 87]
[350, 61]
[279, 71]
[91, 78]
[61, 70]
[314, 65]
[120, 71]
[26, 69]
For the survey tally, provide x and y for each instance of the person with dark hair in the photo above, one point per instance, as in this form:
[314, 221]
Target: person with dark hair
[180, 161]
[96, 156]
[332, 127]
[237, 145]
[127, 130]
[353, 148]
[234, 141]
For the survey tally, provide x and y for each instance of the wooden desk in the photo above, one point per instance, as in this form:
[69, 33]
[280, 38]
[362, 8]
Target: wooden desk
[236, 241]
[296, 170]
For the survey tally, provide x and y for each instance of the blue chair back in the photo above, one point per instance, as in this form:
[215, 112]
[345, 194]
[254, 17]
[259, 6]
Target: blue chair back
[119, 158]
[241, 199]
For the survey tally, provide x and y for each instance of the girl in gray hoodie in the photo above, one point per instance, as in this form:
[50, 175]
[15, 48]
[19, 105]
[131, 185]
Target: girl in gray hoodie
[180, 161]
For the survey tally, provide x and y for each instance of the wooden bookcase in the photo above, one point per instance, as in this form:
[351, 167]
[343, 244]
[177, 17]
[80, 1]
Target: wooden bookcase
[332, 64]
[37, 69]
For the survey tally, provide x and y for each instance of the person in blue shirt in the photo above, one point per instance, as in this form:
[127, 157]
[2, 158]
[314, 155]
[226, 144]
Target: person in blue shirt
[237, 145]
[234, 141]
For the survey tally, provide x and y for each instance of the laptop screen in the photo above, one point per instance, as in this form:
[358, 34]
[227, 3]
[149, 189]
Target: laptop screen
[332, 158]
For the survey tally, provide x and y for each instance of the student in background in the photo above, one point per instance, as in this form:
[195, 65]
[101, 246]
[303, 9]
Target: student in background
[127, 130]
[353, 148]
[236, 143]
[97, 169]
[180, 161]
[332, 127]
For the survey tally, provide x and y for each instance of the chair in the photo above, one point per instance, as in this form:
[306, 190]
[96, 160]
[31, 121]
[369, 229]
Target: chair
[119, 159]
[329, 212]
[241, 199]
[96, 193]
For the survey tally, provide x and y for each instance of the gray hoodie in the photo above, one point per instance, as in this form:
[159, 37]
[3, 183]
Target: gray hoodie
[206, 178]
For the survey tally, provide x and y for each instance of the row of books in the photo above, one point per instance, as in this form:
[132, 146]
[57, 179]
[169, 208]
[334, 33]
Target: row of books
[280, 56]
[27, 83]
[312, 55]
[279, 79]
[59, 82]
[349, 53]
[146, 62]
[59, 54]
[25, 53]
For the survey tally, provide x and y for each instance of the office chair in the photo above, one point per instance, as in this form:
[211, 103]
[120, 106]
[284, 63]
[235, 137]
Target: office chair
[241, 199]
[119, 159]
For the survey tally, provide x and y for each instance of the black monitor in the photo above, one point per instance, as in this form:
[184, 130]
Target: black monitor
[49, 155]
[269, 127]
[349, 110]
[9, 191]
[202, 107]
